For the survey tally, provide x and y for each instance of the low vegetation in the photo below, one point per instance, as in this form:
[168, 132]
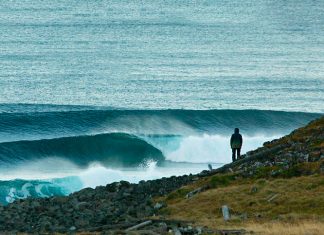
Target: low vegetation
[252, 202]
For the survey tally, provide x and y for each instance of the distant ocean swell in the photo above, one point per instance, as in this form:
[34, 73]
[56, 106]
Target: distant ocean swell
[46, 122]
[37, 141]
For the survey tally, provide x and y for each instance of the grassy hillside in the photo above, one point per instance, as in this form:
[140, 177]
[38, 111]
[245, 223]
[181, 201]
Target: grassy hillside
[277, 189]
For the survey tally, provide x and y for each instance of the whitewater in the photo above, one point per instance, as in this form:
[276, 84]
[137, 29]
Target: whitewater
[93, 92]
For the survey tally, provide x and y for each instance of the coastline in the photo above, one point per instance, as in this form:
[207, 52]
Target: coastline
[119, 206]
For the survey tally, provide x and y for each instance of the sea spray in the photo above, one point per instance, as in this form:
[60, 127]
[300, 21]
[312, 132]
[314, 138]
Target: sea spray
[211, 148]
[98, 175]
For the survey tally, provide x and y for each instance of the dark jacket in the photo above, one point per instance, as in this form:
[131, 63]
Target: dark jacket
[236, 139]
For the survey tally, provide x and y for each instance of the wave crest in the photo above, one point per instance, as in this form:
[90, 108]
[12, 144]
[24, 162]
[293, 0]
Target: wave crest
[55, 123]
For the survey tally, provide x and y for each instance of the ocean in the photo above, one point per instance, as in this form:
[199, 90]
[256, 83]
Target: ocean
[99, 91]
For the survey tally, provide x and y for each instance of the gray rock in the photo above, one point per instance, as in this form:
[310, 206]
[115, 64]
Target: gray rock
[159, 205]
[81, 205]
[35, 204]
[254, 189]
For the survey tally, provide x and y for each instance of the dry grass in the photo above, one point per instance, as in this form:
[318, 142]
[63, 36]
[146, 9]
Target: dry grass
[298, 199]
[303, 228]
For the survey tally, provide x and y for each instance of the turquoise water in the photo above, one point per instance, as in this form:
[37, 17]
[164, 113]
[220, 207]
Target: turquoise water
[164, 54]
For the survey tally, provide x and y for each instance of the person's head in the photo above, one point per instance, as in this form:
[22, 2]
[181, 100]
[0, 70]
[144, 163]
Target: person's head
[236, 130]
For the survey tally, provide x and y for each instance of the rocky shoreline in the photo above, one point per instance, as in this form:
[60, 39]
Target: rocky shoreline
[112, 207]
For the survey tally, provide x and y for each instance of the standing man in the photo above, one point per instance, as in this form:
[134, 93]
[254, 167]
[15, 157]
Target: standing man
[236, 144]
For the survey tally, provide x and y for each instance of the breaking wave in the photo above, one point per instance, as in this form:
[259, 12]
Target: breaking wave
[107, 149]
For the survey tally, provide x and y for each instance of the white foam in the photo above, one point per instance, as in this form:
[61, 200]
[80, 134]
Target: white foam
[99, 175]
[25, 190]
[14, 194]
[46, 168]
[38, 190]
[212, 148]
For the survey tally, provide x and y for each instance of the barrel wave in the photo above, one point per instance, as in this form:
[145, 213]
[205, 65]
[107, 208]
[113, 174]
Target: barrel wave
[114, 149]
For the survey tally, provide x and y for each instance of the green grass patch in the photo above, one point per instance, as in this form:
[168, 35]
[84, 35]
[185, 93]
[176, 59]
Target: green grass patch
[221, 180]
[261, 182]
[266, 171]
[305, 168]
[180, 193]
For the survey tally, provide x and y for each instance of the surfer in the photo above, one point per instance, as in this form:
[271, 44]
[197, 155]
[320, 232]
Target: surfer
[236, 144]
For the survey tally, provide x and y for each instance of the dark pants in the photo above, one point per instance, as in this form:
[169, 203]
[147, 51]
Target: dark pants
[234, 152]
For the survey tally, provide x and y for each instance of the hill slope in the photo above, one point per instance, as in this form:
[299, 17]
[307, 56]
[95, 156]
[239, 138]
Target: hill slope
[280, 185]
